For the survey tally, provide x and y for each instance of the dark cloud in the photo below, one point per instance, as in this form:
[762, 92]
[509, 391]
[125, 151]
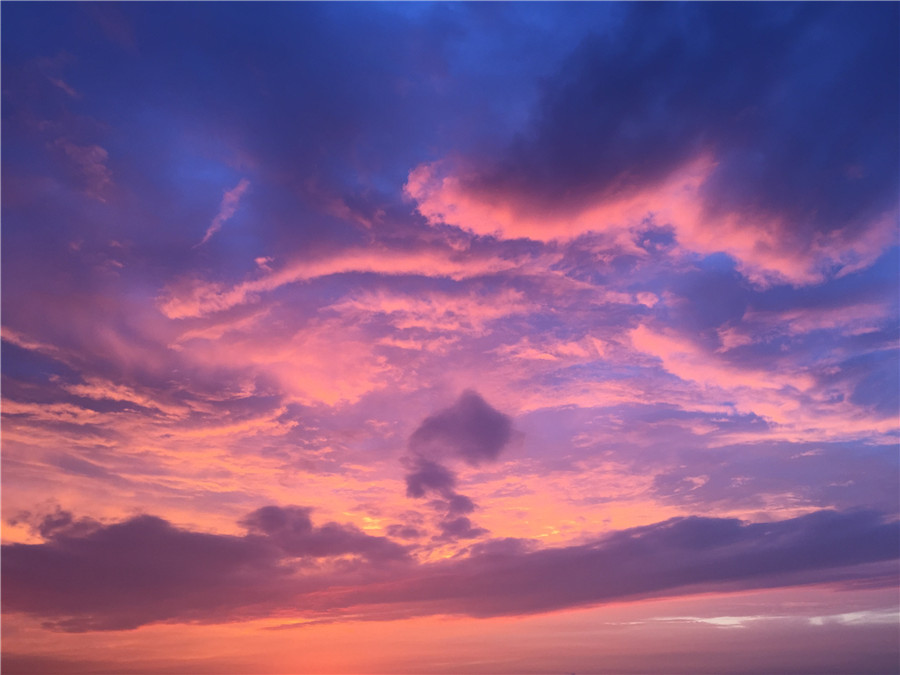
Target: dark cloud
[144, 570]
[403, 531]
[459, 528]
[55, 524]
[292, 530]
[681, 555]
[779, 95]
[138, 571]
[458, 504]
[469, 429]
[428, 476]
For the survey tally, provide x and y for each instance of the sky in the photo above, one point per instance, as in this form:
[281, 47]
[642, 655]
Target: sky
[432, 338]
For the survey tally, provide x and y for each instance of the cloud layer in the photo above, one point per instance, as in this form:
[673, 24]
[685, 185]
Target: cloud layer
[144, 570]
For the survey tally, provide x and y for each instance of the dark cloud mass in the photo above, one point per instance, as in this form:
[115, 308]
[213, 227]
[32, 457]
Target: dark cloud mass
[469, 429]
[428, 476]
[144, 570]
[780, 98]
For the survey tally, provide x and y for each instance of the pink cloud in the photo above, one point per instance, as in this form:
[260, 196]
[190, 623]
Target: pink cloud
[437, 312]
[768, 250]
[683, 358]
[196, 297]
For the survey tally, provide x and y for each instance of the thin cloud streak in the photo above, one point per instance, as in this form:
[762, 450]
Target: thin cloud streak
[230, 202]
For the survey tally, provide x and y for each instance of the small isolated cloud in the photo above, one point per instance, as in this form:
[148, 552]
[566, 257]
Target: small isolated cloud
[469, 429]
[230, 202]
[64, 86]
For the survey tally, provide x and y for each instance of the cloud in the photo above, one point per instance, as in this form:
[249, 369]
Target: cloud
[459, 528]
[428, 476]
[682, 555]
[55, 524]
[292, 529]
[437, 312]
[470, 429]
[64, 86]
[194, 297]
[227, 208]
[145, 570]
[676, 120]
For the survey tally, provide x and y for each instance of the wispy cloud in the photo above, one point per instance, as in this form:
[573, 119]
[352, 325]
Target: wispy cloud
[230, 202]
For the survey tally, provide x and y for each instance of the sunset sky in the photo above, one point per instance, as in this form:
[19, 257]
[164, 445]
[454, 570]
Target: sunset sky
[450, 338]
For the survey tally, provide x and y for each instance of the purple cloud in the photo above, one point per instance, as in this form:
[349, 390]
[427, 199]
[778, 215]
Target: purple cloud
[292, 530]
[428, 476]
[144, 570]
[460, 528]
[469, 429]
[681, 555]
